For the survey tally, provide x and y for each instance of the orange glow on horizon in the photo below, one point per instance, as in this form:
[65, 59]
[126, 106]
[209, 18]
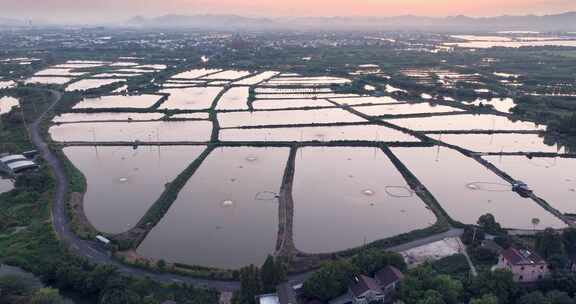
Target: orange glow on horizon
[122, 9]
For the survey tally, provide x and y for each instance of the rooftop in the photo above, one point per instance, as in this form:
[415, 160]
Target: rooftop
[522, 257]
[268, 299]
[388, 275]
[21, 165]
[363, 284]
[12, 158]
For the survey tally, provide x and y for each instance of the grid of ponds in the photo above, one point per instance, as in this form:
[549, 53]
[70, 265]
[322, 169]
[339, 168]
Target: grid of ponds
[227, 214]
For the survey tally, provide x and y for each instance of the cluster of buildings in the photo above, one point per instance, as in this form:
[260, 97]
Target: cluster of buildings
[17, 163]
[365, 290]
[525, 265]
[362, 290]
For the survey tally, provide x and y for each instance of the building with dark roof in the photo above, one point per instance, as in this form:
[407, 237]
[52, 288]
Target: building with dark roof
[366, 290]
[388, 279]
[525, 265]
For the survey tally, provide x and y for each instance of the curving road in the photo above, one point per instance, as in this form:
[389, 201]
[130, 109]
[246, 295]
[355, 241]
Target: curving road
[88, 249]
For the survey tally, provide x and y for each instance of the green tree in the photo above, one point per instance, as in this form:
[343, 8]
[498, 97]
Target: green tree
[46, 296]
[569, 238]
[449, 288]
[272, 274]
[500, 283]
[15, 285]
[535, 297]
[485, 299]
[431, 297]
[414, 284]
[473, 236]
[250, 284]
[558, 262]
[330, 281]
[489, 224]
[549, 243]
[117, 292]
[371, 261]
[559, 297]
[161, 264]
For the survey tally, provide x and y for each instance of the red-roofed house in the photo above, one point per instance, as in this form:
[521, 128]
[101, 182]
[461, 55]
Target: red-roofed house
[525, 265]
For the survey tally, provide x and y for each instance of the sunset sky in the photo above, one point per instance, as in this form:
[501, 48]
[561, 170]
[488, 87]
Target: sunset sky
[116, 10]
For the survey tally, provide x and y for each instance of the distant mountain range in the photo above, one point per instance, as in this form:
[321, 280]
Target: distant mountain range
[565, 22]
[547, 23]
[13, 22]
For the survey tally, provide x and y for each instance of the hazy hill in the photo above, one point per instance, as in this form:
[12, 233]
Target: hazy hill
[558, 22]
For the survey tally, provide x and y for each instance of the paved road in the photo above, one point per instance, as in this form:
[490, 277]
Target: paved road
[453, 232]
[89, 249]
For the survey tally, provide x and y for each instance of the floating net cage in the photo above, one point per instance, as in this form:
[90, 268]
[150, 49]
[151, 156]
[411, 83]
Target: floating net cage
[399, 191]
[489, 187]
[266, 196]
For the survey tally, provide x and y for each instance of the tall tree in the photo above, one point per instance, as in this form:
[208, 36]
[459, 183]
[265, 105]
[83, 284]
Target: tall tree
[499, 283]
[535, 297]
[250, 285]
[485, 299]
[46, 296]
[559, 297]
[549, 243]
[489, 224]
[268, 275]
[569, 238]
[330, 281]
[117, 292]
[372, 260]
[449, 288]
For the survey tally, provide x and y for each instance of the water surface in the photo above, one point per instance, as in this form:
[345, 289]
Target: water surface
[267, 104]
[132, 131]
[191, 74]
[365, 100]
[114, 116]
[198, 98]
[124, 182]
[257, 78]
[464, 122]
[260, 118]
[119, 101]
[499, 142]
[406, 108]
[48, 80]
[467, 190]
[553, 179]
[228, 75]
[227, 214]
[362, 132]
[503, 105]
[344, 197]
[234, 99]
[86, 84]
